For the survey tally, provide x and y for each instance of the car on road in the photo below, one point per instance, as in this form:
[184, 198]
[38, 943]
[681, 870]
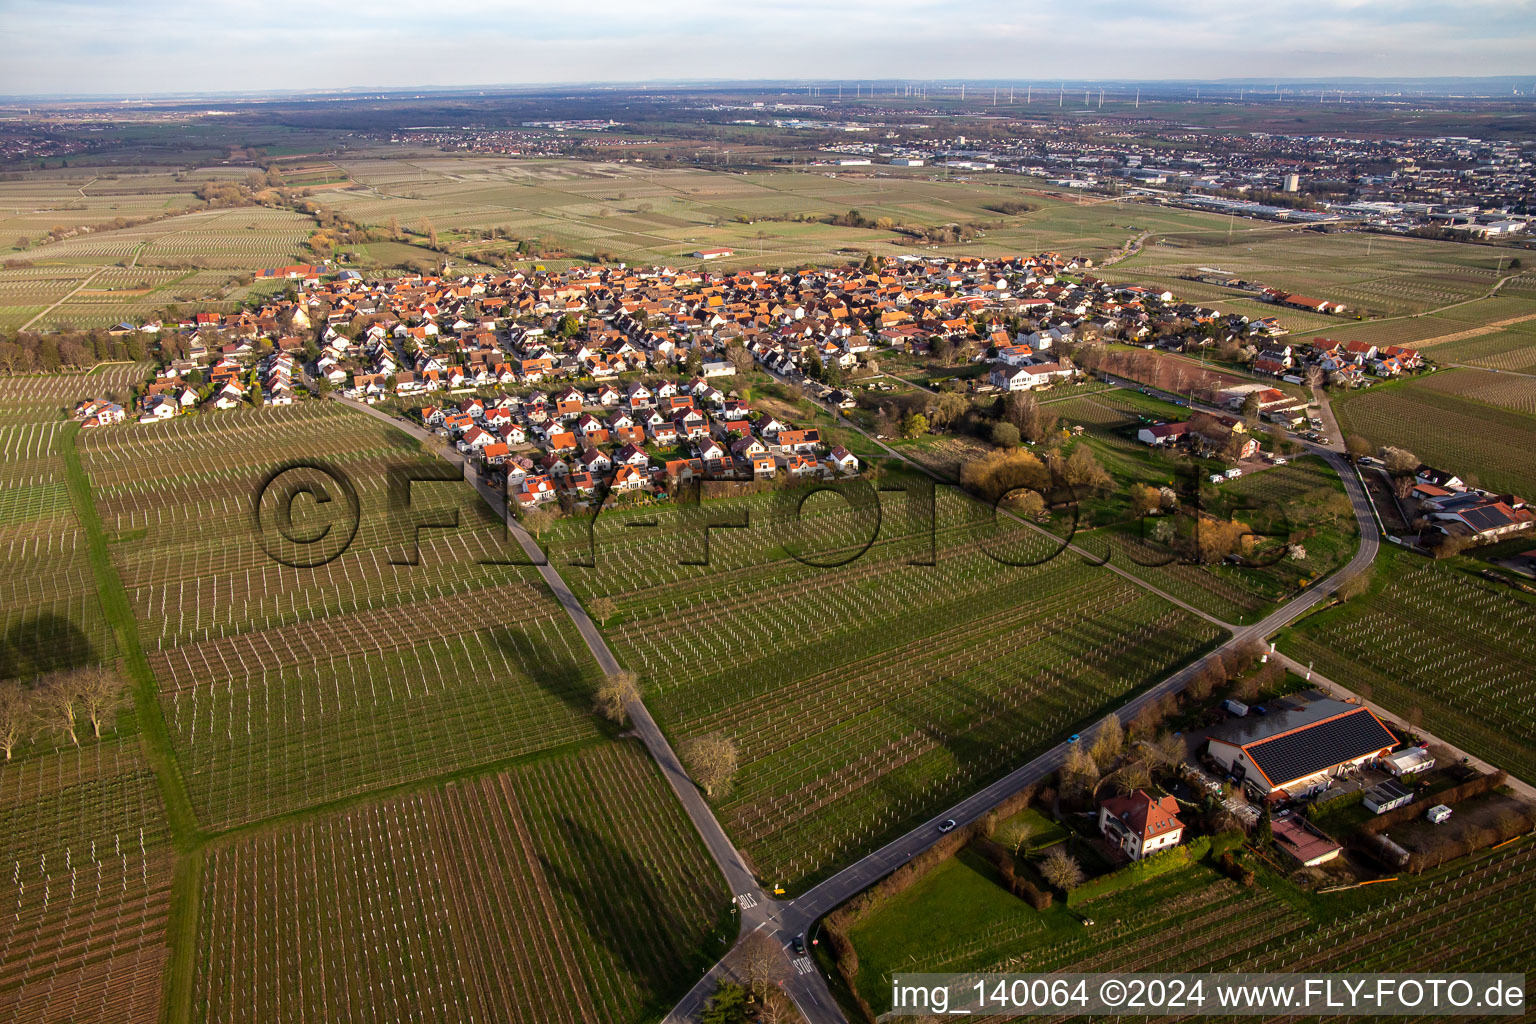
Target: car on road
[798, 944]
[1073, 738]
[947, 825]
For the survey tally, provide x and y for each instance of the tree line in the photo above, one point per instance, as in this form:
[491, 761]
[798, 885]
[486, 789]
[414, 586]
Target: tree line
[61, 703]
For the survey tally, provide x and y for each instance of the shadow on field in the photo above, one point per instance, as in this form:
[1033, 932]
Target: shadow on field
[963, 707]
[41, 644]
[624, 907]
[551, 670]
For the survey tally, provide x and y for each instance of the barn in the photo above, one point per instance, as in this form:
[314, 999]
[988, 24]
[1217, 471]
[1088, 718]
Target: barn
[1299, 748]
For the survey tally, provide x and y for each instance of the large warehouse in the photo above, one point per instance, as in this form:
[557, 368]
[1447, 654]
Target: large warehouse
[1300, 747]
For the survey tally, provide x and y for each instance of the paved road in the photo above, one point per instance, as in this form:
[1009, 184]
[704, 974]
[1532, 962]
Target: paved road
[758, 910]
[798, 915]
[785, 919]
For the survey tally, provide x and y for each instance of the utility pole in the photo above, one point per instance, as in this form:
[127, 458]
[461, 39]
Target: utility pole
[1138, 97]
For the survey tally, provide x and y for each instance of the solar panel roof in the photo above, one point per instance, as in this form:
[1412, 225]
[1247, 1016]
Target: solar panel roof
[1320, 746]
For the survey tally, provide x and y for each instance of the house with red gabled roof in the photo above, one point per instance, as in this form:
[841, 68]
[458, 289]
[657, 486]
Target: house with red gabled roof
[1139, 825]
[798, 440]
[594, 461]
[536, 489]
[632, 455]
[475, 438]
[1160, 434]
[628, 478]
[841, 460]
[763, 466]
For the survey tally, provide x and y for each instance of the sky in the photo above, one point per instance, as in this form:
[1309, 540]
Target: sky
[141, 47]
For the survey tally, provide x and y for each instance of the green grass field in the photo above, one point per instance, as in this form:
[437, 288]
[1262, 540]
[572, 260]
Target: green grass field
[1193, 919]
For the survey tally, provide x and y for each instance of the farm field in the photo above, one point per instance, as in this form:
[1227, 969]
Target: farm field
[1373, 274]
[50, 613]
[86, 882]
[285, 687]
[1466, 425]
[865, 696]
[648, 215]
[111, 274]
[570, 888]
[1193, 919]
[1439, 643]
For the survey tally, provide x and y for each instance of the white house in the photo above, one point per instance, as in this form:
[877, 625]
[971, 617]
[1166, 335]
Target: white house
[1140, 825]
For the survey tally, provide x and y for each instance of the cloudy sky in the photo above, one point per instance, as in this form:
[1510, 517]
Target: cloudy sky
[137, 47]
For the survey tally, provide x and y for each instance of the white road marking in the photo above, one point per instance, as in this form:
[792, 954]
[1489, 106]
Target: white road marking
[803, 965]
[746, 901]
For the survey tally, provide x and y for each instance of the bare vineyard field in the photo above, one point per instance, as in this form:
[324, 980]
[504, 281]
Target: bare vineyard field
[864, 697]
[1517, 393]
[130, 272]
[566, 890]
[1452, 646]
[85, 876]
[1512, 349]
[647, 215]
[1380, 275]
[399, 671]
[1494, 444]
[50, 613]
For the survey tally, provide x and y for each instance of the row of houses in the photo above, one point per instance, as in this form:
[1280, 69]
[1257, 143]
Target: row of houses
[1342, 362]
[645, 438]
[1454, 508]
[421, 333]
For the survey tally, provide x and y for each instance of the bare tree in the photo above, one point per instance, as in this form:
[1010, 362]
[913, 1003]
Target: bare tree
[1355, 586]
[1015, 835]
[1400, 461]
[777, 1009]
[1078, 772]
[614, 694]
[57, 702]
[1062, 870]
[740, 358]
[1107, 744]
[1133, 776]
[1168, 750]
[711, 760]
[762, 962]
[602, 609]
[537, 520]
[101, 692]
[15, 712]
